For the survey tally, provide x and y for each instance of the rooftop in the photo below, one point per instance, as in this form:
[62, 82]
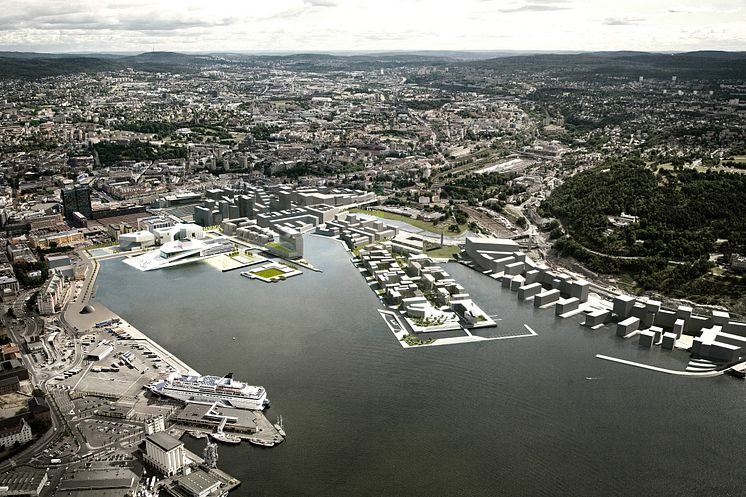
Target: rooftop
[198, 482]
[164, 441]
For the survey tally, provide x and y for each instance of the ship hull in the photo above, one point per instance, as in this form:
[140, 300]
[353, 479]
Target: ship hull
[209, 398]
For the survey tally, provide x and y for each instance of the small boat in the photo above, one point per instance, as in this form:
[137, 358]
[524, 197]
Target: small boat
[263, 443]
[197, 434]
[234, 338]
[279, 427]
[225, 438]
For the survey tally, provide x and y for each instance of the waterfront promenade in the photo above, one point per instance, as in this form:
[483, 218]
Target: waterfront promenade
[81, 316]
[81, 322]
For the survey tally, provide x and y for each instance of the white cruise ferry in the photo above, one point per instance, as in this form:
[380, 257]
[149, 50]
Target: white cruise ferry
[209, 389]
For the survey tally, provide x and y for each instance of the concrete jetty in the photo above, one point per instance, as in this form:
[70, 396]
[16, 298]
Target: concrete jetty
[708, 374]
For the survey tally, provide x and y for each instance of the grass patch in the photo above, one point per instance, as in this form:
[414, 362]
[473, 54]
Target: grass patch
[428, 322]
[279, 247]
[511, 213]
[417, 223]
[268, 273]
[446, 251]
[101, 245]
[626, 283]
[401, 260]
[717, 271]
[415, 340]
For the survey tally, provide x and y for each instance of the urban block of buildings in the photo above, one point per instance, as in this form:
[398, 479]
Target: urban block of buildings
[179, 244]
[716, 338]
[356, 230]
[277, 216]
[430, 300]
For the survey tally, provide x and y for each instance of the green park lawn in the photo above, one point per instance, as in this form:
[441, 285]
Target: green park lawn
[268, 273]
[446, 251]
[417, 223]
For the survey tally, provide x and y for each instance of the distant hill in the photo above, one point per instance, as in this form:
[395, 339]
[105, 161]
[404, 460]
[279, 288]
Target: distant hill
[29, 65]
[703, 65]
[44, 55]
[40, 67]
[167, 58]
[716, 54]
[167, 61]
[469, 55]
[586, 65]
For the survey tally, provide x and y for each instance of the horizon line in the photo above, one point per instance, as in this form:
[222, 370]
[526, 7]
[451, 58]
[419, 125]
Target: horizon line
[367, 51]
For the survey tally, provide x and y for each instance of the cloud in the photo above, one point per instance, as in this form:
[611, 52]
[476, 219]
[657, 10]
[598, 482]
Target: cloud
[537, 2]
[131, 25]
[623, 21]
[536, 6]
[127, 24]
[702, 9]
[125, 16]
[298, 11]
[90, 23]
[392, 36]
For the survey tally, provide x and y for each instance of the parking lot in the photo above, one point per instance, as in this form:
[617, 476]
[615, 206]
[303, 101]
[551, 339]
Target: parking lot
[64, 448]
[130, 366]
[99, 432]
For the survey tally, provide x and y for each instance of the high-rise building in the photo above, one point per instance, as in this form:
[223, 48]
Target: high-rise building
[76, 199]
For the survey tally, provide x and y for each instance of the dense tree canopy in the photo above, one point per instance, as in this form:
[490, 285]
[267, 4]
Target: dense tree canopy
[681, 214]
[480, 187]
[683, 217]
[110, 153]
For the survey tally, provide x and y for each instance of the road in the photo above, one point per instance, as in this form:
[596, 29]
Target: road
[63, 419]
[39, 377]
[19, 306]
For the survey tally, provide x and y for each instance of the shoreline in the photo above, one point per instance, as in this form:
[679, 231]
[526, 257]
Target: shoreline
[84, 323]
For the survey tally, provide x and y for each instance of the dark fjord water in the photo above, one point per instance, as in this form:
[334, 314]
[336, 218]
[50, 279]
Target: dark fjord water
[366, 417]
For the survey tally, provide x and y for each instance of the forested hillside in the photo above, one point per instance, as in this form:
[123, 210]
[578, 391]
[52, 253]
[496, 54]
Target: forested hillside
[681, 214]
[683, 217]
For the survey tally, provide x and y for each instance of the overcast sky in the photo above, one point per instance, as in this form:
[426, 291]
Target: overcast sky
[318, 25]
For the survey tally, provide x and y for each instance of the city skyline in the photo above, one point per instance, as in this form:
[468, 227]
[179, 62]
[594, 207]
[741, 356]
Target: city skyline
[205, 206]
[331, 25]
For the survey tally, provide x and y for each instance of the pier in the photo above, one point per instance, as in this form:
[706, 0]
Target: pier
[707, 374]
[251, 426]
